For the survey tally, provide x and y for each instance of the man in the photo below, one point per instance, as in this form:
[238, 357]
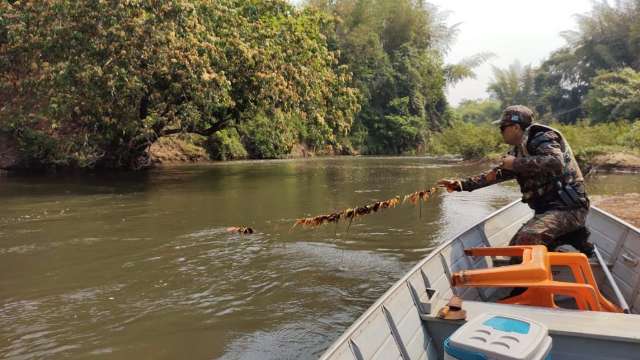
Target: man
[549, 177]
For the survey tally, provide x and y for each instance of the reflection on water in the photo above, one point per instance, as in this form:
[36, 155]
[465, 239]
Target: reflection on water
[140, 265]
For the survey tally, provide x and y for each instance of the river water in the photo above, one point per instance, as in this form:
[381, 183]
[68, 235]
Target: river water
[131, 266]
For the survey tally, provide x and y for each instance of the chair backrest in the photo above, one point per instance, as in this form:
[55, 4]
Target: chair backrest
[534, 273]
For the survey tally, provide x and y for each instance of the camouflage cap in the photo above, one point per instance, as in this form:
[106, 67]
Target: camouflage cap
[516, 114]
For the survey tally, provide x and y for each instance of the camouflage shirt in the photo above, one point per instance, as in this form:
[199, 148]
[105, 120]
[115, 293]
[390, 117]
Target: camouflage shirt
[543, 159]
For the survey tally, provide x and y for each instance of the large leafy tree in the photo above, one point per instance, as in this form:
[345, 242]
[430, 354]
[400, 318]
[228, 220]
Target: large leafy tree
[559, 88]
[395, 51]
[95, 83]
[614, 95]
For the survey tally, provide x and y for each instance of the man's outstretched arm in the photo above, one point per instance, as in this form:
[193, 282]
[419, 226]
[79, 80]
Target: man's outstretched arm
[490, 177]
[487, 178]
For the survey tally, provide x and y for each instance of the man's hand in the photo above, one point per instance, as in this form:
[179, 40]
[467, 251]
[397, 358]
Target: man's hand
[450, 185]
[507, 162]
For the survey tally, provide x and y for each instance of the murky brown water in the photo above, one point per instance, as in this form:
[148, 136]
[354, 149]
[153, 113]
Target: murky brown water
[131, 266]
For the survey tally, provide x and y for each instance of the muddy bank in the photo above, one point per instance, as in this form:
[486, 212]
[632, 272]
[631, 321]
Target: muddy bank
[614, 163]
[170, 150]
[626, 207]
[175, 150]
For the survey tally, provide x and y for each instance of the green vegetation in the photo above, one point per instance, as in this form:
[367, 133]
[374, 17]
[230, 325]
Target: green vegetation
[615, 95]
[94, 84]
[226, 145]
[392, 49]
[478, 111]
[472, 141]
[589, 140]
[268, 137]
[475, 141]
[395, 51]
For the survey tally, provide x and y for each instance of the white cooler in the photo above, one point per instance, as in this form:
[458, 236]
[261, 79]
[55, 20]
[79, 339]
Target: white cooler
[499, 337]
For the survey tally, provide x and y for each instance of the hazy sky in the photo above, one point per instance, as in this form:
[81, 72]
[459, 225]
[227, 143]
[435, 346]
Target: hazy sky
[512, 29]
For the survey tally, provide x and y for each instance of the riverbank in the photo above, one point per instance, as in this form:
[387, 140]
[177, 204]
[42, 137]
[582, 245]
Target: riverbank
[175, 150]
[618, 162]
[171, 151]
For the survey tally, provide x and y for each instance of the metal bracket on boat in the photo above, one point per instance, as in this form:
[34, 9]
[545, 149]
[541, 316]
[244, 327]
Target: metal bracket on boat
[355, 350]
[630, 260]
[424, 307]
[395, 333]
[447, 273]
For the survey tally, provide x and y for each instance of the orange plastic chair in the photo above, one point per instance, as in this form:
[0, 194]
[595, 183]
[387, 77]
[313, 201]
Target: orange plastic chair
[534, 273]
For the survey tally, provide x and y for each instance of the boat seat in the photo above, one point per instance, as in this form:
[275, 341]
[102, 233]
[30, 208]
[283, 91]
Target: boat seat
[534, 273]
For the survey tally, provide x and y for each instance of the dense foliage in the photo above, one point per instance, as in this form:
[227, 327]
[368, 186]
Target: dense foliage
[394, 49]
[95, 83]
[471, 141]
[614, 95]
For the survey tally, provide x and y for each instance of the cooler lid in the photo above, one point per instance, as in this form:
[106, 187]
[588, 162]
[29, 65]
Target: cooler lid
[504, 337]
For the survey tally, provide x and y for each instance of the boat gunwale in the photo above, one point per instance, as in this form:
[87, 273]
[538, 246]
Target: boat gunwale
[608, 214]
[379, 302]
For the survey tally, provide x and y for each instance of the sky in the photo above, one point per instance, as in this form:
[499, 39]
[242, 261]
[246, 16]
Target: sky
[527, 31]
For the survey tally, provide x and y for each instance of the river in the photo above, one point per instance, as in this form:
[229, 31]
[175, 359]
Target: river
[140, 265]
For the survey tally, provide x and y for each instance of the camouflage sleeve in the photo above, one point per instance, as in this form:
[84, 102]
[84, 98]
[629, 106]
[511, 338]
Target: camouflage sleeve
[545, 158]
[493, 176]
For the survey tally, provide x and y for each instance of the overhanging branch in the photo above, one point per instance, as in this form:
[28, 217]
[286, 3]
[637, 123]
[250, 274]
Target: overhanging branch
[204, 132]
[211, 130]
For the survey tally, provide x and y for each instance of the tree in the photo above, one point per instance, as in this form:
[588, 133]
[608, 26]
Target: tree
[478, 111]
[513, 85]
[465, 68]
[559, 88]
[614, 95]
[394, 50]
[95, 83]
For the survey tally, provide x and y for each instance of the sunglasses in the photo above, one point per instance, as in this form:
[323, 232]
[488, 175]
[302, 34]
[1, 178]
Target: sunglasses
[504, 127]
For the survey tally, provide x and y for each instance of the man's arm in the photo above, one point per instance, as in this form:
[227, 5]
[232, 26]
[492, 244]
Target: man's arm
[546, 156]
[490, 177]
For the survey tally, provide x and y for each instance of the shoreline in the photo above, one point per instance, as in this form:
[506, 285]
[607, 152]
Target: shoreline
[176, 152]
[614, 163]
[618, 162]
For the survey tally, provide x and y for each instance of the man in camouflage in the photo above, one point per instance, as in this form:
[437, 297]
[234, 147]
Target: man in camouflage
[542, 162]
